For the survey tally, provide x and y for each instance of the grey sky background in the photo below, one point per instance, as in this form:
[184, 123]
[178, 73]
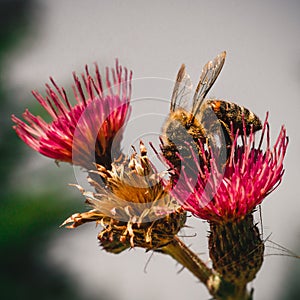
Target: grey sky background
[153, 38]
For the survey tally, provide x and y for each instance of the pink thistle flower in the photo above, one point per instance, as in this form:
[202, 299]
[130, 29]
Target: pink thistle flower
[250, 174]
[88, 132]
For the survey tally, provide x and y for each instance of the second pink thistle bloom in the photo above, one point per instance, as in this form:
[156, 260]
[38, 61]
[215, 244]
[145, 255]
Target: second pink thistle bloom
[87, 133]
[227, 194]
[250, 174]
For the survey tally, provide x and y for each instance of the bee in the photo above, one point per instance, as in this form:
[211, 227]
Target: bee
[209, 122]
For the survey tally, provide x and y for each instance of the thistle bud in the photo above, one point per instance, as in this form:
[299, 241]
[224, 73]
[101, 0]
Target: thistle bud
[236, 250]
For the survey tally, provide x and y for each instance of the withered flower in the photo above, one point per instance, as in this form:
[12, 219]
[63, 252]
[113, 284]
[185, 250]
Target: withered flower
[134, 208]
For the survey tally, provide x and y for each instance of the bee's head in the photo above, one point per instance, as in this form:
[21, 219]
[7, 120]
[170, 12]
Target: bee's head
[190, 121]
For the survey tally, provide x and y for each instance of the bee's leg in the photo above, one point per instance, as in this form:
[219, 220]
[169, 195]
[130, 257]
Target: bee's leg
[170, 152]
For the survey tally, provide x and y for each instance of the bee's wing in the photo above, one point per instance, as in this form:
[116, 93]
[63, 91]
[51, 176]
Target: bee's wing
[182, 89]
[208, 76]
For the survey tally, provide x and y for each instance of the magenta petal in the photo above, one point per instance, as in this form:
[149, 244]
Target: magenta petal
[250, 175]
[101, 111]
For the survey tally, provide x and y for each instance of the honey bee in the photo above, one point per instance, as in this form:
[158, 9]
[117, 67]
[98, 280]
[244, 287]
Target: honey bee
[209, 121]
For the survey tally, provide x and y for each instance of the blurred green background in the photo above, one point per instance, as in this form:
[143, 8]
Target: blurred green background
[27, 216]
[35, 198]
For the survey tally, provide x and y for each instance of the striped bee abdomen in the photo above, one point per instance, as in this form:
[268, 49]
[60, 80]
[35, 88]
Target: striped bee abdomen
[229, 112]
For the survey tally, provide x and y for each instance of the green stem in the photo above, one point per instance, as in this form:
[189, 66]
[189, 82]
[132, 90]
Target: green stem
[181, 253]
[216, 285]
[229, 292]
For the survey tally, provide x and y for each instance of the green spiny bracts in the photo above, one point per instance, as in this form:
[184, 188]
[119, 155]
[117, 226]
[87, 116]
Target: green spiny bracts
[236, 250]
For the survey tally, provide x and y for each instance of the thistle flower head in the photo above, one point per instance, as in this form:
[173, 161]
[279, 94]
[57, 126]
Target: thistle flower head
[83, 134]
[134, 206]
[250, 174]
